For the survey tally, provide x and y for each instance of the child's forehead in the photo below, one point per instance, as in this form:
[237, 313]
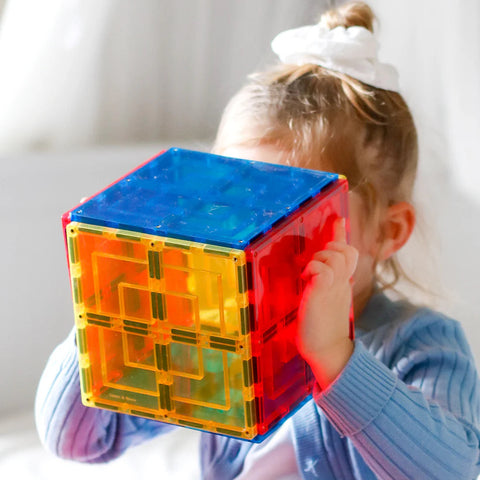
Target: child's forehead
[266, 152]
[275, 154]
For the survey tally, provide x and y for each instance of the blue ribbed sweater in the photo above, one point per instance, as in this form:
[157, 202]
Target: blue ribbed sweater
[406, 406]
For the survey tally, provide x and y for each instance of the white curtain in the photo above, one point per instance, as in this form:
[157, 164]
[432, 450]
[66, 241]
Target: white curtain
[435, 44]
[50, 62]
[80, 72]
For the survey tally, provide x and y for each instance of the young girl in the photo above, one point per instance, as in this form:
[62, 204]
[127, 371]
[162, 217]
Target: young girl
[402, 401]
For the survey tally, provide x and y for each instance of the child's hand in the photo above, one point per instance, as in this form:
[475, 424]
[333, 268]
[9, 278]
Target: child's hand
[323, 330]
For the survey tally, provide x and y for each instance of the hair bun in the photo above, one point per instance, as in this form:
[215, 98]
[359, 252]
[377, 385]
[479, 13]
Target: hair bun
[351, 14]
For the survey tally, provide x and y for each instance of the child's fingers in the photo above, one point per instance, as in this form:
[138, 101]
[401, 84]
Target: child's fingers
[340, 256]
[321, 271]
[314, 267]
[334, 259]
[341, 247]
[340, 230]
[348, 251]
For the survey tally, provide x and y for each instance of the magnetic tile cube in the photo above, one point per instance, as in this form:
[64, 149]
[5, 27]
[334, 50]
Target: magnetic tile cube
[186, 280]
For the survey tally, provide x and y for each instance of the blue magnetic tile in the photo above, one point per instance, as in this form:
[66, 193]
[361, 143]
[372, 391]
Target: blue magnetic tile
[203, 197]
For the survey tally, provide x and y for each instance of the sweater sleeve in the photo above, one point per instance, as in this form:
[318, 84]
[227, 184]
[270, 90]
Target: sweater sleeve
[69, 429]
[418, 417]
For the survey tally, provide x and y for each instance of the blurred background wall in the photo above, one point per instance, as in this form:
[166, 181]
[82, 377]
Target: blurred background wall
[90, 88]
[78, 73]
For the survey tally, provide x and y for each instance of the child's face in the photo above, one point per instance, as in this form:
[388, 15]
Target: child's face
[362, 238]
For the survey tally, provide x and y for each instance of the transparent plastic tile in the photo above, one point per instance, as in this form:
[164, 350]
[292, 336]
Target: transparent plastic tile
[192, 332]
[203, 197]
[163, 328]
[275, 263]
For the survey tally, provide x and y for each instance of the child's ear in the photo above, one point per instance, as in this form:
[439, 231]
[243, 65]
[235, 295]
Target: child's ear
[397, 226]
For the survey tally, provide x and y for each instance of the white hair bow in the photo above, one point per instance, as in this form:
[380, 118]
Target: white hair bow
[351, 50]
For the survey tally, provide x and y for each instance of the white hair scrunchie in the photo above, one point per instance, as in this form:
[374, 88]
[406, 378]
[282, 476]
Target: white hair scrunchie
[351, 50]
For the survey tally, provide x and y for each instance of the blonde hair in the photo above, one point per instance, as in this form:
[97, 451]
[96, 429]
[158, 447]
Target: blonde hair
[326, 120]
